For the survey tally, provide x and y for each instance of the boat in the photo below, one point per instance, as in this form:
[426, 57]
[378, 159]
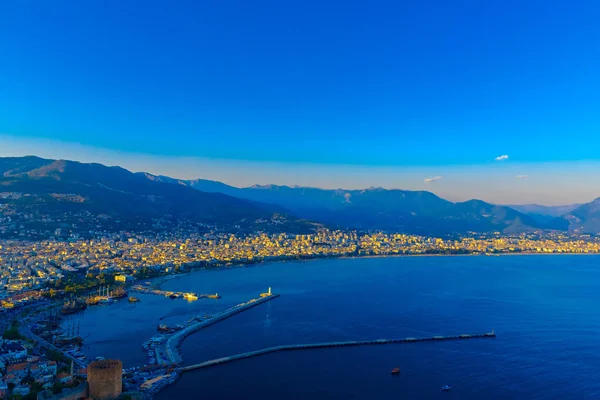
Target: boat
[190, 296]
[133, 299]
[445, 388]
[71, 307]
[119, 293]
[66, 340]
[92, 301]
[396, 371]
[104, 296]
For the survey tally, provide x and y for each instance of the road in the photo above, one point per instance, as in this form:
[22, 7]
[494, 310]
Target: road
[26, 331]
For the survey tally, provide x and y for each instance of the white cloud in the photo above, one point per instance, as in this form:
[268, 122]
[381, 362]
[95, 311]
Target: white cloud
[435, 178]
[502, 157]
[522, 176]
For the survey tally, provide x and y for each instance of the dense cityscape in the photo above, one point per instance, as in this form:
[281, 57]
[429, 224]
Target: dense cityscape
[29, 265]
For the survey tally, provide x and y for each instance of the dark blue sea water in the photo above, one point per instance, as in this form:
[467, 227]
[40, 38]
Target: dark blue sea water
[545, 310]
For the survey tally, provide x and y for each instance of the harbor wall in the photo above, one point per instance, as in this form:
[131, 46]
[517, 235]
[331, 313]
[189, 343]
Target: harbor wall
[174, 341]
[331, 345]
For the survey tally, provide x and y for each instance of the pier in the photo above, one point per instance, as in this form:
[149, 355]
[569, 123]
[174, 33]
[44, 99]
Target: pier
[256, 353]
[167, 293]
[169, 354]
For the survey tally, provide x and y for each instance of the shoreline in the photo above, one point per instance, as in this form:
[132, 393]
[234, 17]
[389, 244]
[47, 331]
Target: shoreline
[159, 281]
[523, 253]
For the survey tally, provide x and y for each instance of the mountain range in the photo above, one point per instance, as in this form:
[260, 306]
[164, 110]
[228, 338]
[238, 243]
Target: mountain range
[66, 193]
[51, 187]
[401, 210]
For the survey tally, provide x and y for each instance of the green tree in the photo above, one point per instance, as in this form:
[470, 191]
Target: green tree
[57, 388]
[31, 395]
[12, 332]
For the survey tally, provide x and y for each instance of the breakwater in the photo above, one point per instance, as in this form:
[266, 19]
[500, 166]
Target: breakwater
[256, 353]
[171, 346]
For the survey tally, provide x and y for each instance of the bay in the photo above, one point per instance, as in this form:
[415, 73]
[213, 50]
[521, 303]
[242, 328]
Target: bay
[543, 308]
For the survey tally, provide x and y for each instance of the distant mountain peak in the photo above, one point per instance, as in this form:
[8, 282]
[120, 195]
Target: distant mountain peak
[266, 187]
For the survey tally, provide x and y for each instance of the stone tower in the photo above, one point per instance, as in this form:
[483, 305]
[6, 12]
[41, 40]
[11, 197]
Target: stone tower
[105, 379]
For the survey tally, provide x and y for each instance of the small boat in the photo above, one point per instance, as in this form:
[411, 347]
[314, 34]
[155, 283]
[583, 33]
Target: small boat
[445, 388]
[71, 307]
[396, 371]
[133, 299]
[190, 296]
[119, 293]
[92, 301]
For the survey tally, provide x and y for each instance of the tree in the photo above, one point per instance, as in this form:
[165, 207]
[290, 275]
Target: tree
[56, 356]
[57, 388]
[12, 332]
[31, 395]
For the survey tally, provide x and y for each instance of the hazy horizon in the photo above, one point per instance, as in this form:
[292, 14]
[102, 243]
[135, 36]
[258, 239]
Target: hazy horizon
[238, 174]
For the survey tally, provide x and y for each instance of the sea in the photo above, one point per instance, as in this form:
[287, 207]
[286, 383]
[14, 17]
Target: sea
[545, 310]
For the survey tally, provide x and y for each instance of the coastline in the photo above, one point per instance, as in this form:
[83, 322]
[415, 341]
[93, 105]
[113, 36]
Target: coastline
[523, 253]
[157, 282]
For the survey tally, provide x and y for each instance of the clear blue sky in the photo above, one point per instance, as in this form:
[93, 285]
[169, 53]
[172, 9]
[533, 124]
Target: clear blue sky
[345, 89]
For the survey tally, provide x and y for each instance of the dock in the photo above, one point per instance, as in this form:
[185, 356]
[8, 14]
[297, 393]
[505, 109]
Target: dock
[256, 353]
[169, 353]
[167, 293]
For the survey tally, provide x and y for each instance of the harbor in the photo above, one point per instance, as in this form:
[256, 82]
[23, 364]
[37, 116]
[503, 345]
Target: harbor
[313, 311]
[163, 350]
[166, 351]
[165, 324]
